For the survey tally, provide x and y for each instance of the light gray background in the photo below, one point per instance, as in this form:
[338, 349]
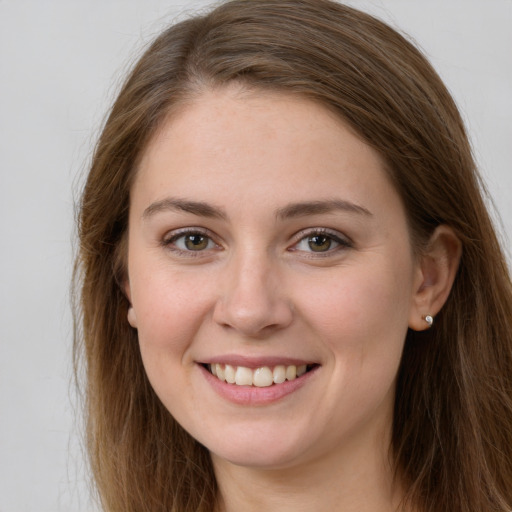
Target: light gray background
[60, 66]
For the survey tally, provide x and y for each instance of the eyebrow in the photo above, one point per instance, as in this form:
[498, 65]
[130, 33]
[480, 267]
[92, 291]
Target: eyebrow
[319, 207]
[203, 209]
[199, 208]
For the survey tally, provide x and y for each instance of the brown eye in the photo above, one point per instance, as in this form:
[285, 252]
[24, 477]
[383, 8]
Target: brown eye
[189, 242]
[320, 243]
[196, 242]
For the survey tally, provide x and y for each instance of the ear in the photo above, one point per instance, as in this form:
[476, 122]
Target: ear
[132, 318]
[437, 268]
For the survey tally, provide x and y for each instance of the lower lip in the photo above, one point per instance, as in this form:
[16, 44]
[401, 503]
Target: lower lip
[252, 395]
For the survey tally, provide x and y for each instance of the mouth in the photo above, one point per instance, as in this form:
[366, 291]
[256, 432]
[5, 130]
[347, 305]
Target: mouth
[261, 377]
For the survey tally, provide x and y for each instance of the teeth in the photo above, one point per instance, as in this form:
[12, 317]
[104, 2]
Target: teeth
[260, 377]
[279, 374]
[220, 372]
[301, 370]
[243, 376]
[291, 372]
[263, 377]
[229, 374]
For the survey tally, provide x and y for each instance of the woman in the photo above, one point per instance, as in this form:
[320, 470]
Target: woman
[292, 296]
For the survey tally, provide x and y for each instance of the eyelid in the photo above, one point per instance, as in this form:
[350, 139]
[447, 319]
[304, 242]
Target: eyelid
[171, 236]
[343, 240]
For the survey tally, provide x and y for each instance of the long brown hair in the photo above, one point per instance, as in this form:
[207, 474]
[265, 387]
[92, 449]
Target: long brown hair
[452, 431]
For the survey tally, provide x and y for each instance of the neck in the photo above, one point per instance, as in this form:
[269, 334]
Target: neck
[355, 478]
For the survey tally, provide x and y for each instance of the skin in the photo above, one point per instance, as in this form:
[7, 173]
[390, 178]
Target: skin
[255, 288]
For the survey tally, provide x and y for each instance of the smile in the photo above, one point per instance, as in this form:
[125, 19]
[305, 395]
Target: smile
[261, 377]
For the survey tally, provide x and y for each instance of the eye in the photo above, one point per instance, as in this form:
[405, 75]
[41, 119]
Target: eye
[321, 241]
[190, 241]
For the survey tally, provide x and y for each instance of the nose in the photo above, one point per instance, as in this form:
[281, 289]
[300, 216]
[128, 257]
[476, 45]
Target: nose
[252, 299]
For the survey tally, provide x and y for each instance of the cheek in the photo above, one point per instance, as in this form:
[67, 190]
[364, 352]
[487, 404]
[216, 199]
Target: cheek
[170, 313]
[362, 322]
[358, 302]
[170, 310]
[362, 319]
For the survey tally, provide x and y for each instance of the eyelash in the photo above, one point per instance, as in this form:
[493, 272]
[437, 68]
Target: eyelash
[341, 242]
[170, 241]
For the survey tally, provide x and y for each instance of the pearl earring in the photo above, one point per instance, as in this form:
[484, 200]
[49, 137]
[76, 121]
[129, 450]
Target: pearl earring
[429, 319]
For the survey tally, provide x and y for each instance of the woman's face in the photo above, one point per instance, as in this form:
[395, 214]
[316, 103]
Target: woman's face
[264, 235]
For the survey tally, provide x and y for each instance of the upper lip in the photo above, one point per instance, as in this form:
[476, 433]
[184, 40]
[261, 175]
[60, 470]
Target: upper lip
[256, 362]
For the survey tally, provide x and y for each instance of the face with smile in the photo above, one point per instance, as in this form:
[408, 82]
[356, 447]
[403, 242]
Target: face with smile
[271, 278]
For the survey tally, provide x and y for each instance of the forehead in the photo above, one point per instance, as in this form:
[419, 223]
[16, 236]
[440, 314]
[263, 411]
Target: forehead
[257, 144]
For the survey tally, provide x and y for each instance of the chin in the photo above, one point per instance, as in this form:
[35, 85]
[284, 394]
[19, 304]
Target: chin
[258, 450]
[257, 458]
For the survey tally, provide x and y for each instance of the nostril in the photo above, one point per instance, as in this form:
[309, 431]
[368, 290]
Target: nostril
[258, 321]
[251, 299]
